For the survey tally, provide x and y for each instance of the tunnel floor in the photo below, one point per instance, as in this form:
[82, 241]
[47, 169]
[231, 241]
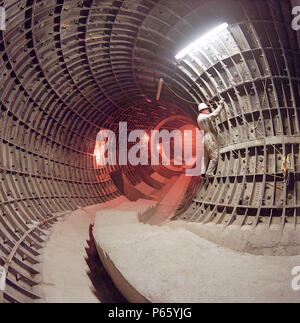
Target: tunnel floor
[185, 267]
[71, 70]
[64, 267]
[168, 265]
[71, 271]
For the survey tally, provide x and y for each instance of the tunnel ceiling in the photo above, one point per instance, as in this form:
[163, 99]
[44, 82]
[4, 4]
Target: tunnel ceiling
[70, 68]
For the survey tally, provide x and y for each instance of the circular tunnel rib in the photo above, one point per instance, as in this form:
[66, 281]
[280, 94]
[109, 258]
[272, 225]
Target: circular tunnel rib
[71, 68]
[252, 67]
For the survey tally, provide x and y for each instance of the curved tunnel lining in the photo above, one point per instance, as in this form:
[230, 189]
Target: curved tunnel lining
[58, 90]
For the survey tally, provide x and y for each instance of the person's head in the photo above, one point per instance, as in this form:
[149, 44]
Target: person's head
[203, 108]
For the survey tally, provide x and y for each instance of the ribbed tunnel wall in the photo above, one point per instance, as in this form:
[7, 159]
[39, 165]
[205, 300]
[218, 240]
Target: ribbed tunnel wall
[254, 66]
[70, 68]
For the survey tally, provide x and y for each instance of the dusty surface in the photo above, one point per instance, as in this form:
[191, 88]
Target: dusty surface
[169, 199]
[64, 269]
[259, 240]
[164, 264]
[68, 258]
[175, 265]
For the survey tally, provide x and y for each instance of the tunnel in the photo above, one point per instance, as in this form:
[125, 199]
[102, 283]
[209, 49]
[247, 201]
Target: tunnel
[70, 69]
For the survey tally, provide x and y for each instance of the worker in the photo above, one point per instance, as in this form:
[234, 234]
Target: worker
[211, 144]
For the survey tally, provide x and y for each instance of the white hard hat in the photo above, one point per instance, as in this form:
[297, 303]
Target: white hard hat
[202, 106]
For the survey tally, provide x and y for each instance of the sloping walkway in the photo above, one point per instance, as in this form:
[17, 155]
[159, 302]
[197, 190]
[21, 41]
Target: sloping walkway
[176, 266]
[170, 200]
[64, 270]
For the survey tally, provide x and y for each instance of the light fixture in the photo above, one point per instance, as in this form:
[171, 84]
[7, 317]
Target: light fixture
[201, 40]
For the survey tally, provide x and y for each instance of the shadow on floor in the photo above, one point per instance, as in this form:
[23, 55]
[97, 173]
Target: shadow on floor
[105, 290]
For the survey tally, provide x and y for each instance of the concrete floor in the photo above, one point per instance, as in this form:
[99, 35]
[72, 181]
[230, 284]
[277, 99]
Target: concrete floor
[169, 201]
[65, 271]
[68, 261]
[187, 268]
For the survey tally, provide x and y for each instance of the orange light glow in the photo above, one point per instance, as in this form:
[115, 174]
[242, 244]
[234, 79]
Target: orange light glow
[99, 153]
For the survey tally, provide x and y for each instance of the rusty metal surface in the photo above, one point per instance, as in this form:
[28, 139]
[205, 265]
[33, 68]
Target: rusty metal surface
[256, 71]
[70, 68]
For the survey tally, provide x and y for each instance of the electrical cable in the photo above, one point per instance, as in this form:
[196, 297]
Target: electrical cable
[192, 102]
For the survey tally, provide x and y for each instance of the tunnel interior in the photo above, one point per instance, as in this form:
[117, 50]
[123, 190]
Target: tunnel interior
[71, 68]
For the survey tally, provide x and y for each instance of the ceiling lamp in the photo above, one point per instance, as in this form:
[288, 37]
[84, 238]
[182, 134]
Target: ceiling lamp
[200, 41]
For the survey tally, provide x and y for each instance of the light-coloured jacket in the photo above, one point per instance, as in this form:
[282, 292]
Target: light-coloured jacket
[204, 120]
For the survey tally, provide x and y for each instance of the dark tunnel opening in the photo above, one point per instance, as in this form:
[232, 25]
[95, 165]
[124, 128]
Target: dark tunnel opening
[70, 69]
